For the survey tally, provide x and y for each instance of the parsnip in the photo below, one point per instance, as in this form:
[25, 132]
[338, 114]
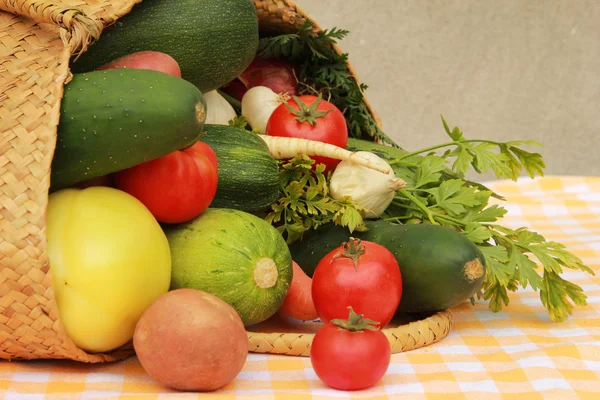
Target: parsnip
[283, 147]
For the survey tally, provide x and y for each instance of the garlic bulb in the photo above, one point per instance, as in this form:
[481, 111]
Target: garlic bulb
[371, 189]
[218, 110]
[258, 104]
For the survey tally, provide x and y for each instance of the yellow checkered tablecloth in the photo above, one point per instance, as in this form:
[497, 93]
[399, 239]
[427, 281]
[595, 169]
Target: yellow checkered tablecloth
[514, 354]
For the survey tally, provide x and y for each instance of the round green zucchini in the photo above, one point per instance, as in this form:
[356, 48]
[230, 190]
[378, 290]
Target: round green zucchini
[235, 256]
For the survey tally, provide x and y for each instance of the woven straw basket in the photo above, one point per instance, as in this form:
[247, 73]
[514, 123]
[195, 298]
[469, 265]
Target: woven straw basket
[37, 39]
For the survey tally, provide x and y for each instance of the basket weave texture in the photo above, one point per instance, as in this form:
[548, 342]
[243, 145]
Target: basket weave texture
[296, 339]
[37, 40]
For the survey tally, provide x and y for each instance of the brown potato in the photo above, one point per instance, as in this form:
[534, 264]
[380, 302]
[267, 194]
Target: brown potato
[190, 340]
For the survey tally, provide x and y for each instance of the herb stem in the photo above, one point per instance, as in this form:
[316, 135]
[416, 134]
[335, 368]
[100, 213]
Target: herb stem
[406, 206]
[406, 163]
[450, 219]
[439, 146]
[397, 218]
[237, 105]
[419, 204]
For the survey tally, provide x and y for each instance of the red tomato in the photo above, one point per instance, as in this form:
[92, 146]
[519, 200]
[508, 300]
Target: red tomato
[310, 118]
[352, 357]
[361, 274]
[177, 187]
[298, 302]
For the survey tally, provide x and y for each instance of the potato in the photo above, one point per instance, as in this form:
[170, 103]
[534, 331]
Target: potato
[153, 60]
[190, 340]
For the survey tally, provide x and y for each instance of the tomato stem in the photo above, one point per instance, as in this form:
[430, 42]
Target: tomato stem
[352, 249]
[355, 322]
[307, 113]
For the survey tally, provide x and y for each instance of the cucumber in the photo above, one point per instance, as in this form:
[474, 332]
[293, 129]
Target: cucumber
[212, 41]
[440, 267]
[234, 255]
[114, 119]
[248, 174]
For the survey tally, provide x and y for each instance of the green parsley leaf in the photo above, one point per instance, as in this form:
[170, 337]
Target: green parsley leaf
[477, 233]
[429, 171]
[559, 295]
[496, 258]
[305, 203]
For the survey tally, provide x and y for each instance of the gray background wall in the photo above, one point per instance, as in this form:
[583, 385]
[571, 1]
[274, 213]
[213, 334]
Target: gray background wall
[501, 70]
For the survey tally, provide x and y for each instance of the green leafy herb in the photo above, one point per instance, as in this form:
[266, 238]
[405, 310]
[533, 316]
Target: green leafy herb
[434, 196]
[305, 203]
[323, 70]
[238, 122]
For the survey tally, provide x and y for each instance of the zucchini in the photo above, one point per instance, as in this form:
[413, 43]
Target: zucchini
[235, 256]
[248, 174]
[114, 119]
[212, 41]
[440, 267]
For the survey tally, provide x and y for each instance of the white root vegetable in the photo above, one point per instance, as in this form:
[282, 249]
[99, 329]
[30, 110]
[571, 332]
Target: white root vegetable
[283, 148]
[218, 110]
[258, 104]
[371, 189]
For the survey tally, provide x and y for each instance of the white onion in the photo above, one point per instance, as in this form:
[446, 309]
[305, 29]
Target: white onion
[258, 104]
[371, 189]
[218, 110]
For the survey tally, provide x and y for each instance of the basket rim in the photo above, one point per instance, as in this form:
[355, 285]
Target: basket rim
[413, 335]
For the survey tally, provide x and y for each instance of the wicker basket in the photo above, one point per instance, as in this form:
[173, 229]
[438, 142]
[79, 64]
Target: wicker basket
[37, 39]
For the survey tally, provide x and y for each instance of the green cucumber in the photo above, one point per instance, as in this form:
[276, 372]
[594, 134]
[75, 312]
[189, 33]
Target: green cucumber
[212, 41]
[114, 119]
[440, 267]
[234, 255]
[248, 174]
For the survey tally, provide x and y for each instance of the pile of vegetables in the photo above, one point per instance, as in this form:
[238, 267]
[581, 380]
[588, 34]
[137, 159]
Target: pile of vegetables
[192, 197]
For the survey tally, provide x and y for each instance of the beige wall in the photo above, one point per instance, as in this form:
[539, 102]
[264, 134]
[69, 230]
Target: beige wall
[501, 70]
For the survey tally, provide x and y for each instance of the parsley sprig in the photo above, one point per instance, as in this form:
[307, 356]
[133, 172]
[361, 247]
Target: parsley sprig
[305, 203]
[436, 193]
[323, 70]
[436, 190]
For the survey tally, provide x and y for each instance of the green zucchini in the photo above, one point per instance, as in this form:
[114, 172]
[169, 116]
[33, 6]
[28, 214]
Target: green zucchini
[235, 256]
[440, 267]
[213, 41]
[114, 119]
[248, 174]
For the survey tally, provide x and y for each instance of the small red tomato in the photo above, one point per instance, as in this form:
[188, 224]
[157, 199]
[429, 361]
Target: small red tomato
[351, 354]
[177, 187]
[359, 274]
[310, 117]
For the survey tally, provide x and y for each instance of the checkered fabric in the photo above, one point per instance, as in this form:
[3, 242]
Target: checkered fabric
[514, 354]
